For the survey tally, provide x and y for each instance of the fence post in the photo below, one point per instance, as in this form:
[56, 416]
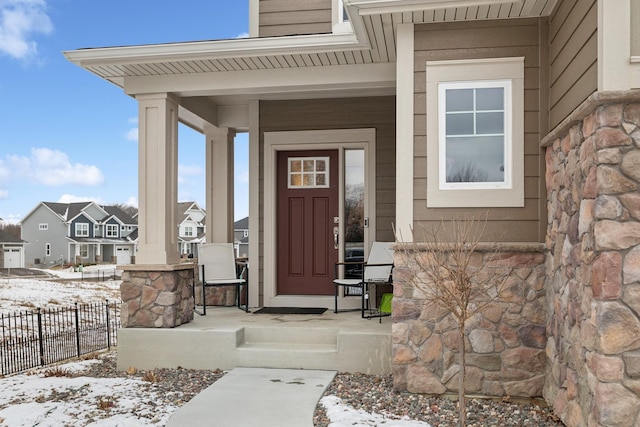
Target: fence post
[77, 329]
[108, 326]
[40, 338]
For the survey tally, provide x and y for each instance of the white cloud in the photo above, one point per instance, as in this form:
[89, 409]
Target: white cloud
[187, 171]
[132, 135]
[12, 219]
[191, 170]
[4, 194]
[20, 20]
[132, 201]
[242, 36]
[70, 198]
[52, 168]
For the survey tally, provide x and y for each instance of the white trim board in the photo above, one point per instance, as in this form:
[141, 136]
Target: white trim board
[339, 139]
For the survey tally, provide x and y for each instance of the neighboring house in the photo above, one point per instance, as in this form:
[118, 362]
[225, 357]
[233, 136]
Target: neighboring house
[11, 251]
[241, 237]
[78, 233]
[191, 228]
[414, 111]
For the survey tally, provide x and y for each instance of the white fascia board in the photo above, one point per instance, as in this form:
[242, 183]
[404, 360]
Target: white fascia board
[215, 49]
[256, 82]
[376, 7]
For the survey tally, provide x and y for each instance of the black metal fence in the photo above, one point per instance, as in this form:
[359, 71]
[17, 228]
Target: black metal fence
[100, 275]
[40, 337]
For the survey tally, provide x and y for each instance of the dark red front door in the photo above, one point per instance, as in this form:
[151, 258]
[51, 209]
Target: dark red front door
[307, 205]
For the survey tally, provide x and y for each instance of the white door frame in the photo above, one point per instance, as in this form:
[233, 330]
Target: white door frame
[336, 139]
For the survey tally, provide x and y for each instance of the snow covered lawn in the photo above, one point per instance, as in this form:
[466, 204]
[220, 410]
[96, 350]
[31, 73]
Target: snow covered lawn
[29, 293]
[37, 398]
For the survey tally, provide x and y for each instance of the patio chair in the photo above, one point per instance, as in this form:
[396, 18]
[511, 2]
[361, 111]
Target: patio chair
[218, 268]
[375, 271]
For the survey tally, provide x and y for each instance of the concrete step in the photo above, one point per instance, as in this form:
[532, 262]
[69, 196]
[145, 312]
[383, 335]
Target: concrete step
[257, 336]
[291, 348]
[229, 338]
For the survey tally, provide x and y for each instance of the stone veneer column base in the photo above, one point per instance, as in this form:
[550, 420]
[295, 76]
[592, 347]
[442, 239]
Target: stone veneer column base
[157, 296]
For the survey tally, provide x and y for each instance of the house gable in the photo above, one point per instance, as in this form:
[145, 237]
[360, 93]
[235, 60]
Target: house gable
[294, 17]
[46, 231]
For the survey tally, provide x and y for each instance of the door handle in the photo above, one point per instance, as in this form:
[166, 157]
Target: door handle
[336, 238]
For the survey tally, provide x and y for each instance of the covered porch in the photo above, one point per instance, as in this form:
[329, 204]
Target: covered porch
[308, 101]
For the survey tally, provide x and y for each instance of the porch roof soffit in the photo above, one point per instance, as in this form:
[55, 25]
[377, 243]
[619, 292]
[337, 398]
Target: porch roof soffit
[372, 40]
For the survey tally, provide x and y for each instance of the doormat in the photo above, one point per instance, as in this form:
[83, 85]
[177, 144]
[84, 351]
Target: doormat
[291, 310]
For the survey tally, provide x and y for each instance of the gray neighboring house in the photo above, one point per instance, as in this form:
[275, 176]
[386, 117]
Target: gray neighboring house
[78, 233]
[191, 228]
[12, 251]
[241, 237]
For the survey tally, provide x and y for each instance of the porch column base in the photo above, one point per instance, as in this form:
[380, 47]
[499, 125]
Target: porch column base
[157, 296]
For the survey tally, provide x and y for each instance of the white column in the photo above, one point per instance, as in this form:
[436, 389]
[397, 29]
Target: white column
[404, 133]
[157, 179]
[614, 45]
[219, 184]
[254, 204]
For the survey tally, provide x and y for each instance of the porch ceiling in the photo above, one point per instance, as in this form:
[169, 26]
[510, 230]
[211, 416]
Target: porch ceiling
[374, 21]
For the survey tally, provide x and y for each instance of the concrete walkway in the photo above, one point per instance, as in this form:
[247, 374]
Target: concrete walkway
[250, 397]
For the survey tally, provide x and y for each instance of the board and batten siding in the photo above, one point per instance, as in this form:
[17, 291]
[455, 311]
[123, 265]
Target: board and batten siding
[477, 40]
[294, 17]
[573, 56]
[344, 113]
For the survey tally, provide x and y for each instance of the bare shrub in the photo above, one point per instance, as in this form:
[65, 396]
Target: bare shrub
[459, 274]
[57, 371]
[151, 376]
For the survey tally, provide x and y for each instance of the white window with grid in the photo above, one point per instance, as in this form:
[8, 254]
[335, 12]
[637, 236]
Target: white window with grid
[112, 230]
[475, 133]
[82, 229]
[308, 172]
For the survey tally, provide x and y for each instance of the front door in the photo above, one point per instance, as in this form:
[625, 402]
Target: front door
[307, 216]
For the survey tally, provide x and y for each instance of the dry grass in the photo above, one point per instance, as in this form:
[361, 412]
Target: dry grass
[151, 376]
[105, 403]
[57, 371]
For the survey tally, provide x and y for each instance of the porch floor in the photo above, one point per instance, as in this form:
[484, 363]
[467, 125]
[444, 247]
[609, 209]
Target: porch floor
[227, 338]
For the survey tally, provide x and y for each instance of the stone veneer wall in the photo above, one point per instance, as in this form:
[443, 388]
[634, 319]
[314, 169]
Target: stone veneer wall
[505, 345]
[593, 265]
[157, 297]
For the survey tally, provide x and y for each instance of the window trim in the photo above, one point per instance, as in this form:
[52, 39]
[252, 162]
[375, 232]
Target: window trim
[314, 173]
[509, 194]
[188, 231]
[505, 84]
[114, 230]
[47, 249]
[43, 226]
[338, 23]
[77, 229]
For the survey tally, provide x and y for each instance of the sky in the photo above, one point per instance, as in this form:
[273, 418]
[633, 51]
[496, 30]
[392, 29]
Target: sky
[65, 134]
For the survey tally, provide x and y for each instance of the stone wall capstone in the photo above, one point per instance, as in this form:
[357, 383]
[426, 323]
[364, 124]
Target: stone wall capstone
[593, 268]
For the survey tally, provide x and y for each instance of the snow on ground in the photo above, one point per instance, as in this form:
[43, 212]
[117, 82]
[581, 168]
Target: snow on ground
[31, 399]
[29, 293]
[342, 415]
